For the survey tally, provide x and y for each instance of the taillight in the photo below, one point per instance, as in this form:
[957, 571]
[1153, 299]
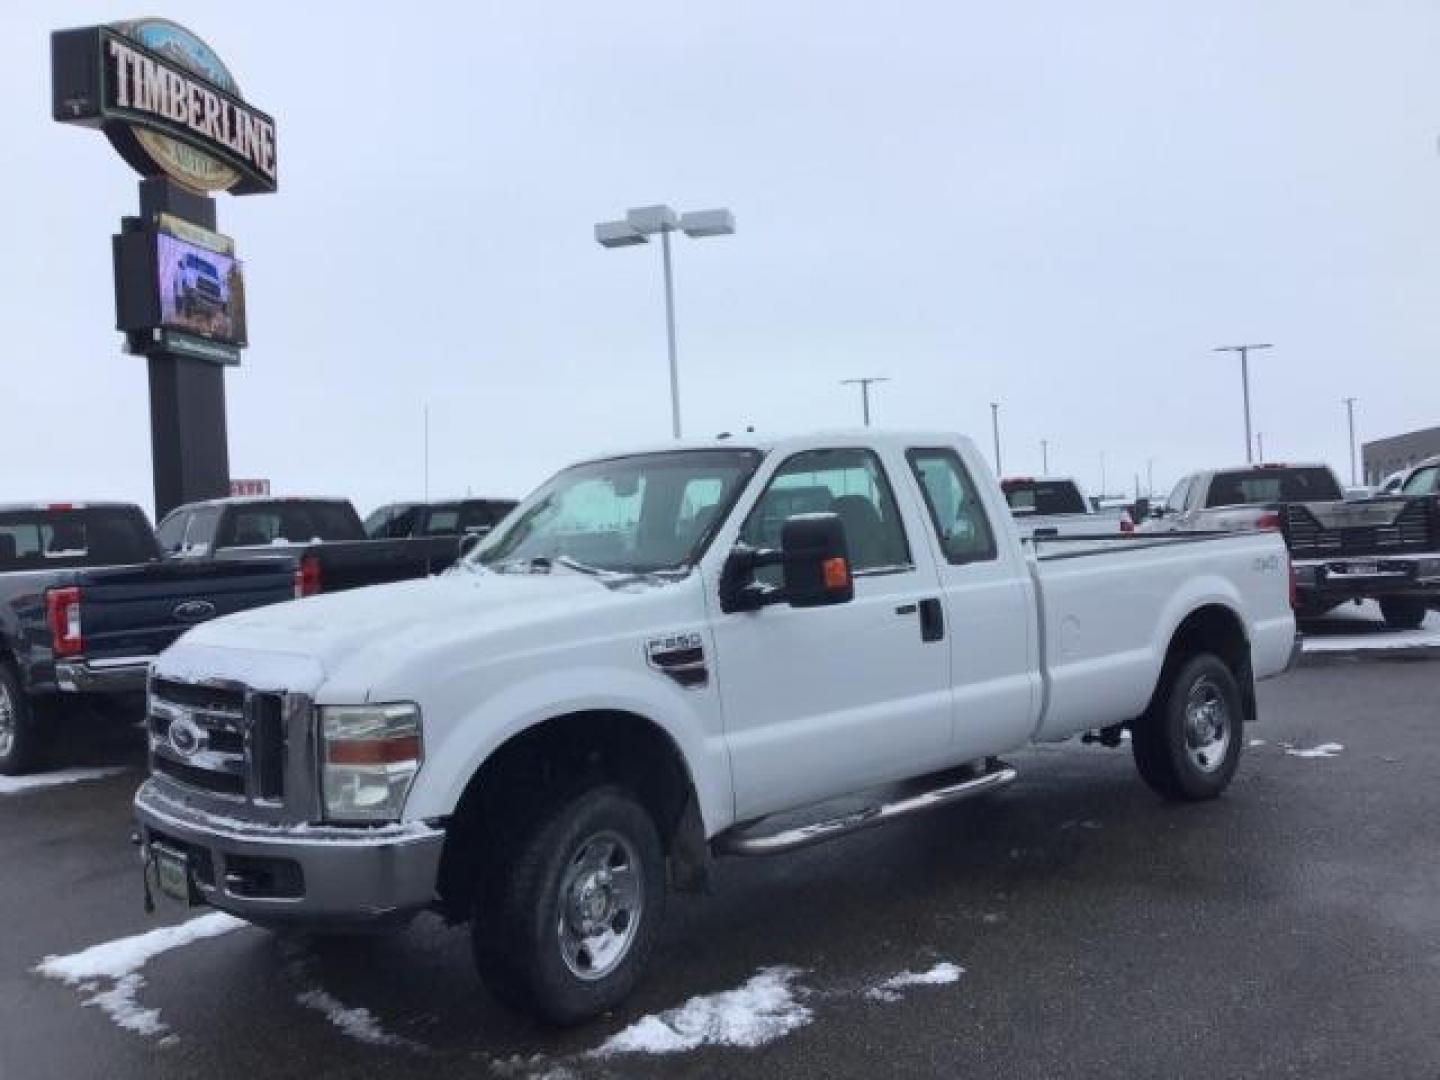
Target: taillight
[307, 577]
[62, 613]
[1268, 522]
[1126, 525]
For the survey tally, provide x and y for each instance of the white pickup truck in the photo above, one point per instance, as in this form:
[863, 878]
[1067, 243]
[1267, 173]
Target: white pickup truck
[651, 660]
[1047, 507]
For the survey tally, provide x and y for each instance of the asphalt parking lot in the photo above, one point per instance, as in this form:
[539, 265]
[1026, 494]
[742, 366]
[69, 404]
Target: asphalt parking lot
[1070, 926]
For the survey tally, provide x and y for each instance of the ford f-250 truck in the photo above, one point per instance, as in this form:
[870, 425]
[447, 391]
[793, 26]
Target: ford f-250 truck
[653, 658]
[86, 603]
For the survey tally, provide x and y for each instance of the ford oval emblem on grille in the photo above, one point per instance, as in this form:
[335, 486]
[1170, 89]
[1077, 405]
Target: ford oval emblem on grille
[193, 611]
[185, 737]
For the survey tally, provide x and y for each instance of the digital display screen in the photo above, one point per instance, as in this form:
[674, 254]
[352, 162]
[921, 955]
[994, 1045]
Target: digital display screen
[202, 292]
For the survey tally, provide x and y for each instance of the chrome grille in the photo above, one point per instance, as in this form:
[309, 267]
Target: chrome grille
[222, 739]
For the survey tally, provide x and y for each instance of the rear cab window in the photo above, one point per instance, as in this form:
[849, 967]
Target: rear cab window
[46, 538]
[1271, 484]
[298, 522]
[1027, 496]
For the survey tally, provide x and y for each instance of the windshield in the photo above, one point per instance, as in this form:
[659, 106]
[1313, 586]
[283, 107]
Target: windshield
[635, 514]
[1267, 485]
[1422, 481]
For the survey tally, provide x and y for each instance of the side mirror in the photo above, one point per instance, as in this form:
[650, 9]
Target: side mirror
[815, 561]
[814, 565]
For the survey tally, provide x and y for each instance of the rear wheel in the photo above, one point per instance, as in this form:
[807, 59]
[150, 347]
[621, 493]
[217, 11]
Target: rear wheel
[566, 919]
[1403, 614]
[1187, 746]
[19, 739]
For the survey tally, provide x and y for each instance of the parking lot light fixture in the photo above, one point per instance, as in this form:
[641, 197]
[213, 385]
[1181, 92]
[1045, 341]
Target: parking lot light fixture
[639, 225]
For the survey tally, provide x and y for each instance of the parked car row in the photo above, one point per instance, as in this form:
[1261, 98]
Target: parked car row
[734, 648]
[89, 595]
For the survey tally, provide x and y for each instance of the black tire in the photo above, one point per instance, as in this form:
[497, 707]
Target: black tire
[1402, 614]
[521, 927]
[20, 737]
[1173, 755]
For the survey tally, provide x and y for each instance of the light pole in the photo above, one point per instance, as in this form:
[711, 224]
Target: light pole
[637, 227]
[995, 427]
[1150, 478]
[1260, 446]
[1044, 457]
[1350, 415]
[864, 384]
[1244, 351]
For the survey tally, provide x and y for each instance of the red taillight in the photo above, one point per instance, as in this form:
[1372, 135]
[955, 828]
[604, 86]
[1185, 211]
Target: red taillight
[1126, 525]
[307, 577]
[62, 613]
[1269, 522]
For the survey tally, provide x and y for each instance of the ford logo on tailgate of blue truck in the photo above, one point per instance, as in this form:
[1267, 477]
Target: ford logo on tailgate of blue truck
[193, 611]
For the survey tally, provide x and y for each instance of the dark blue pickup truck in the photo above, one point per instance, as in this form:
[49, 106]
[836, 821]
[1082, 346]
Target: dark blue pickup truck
[86, 601]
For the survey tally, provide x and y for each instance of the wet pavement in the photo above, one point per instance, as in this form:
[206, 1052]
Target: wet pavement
[1291, 928]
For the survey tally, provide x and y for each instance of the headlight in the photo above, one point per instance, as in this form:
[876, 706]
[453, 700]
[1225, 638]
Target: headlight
[370, 755]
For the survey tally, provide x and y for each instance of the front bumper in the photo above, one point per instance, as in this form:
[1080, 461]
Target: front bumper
[303, 875]
[120, 676]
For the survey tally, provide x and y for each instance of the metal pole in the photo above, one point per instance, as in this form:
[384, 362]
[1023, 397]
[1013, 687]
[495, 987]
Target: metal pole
[1150, 477]
[670, 335]
[865, 400]
[1260, 446]
[1245, 383]
[1350, 413]
[995, 426]
[1044, 457]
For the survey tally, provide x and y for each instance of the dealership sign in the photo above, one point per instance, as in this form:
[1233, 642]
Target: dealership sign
[167, 103]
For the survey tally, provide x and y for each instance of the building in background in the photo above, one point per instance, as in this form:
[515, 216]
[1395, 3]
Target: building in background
[1385, 456]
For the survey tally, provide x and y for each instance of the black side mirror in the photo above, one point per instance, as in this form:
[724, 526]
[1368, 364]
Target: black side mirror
[814, 562]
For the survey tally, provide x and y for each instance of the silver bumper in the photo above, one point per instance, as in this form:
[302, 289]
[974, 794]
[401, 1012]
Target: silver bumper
[102, 676]
[301, 875]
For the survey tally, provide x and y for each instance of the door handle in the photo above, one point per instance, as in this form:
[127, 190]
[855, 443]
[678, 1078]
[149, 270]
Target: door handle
[932, 620]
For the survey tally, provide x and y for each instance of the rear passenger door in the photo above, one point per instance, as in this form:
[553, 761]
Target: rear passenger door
[989, 608]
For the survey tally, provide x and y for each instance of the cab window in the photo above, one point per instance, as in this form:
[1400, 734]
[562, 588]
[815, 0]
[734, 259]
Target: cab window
[954, 505]
[849, 483]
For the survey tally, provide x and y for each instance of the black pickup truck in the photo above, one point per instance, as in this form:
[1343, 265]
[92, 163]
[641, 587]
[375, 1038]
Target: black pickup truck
[451, 517]
[325, 536]
[86, 602]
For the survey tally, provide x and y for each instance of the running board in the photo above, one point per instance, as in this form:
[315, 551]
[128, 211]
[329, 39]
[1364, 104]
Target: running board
[746, 841]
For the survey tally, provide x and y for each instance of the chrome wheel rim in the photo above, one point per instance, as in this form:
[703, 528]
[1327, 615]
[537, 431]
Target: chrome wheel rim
[8, 721]
[602, 900]
[1207, 725]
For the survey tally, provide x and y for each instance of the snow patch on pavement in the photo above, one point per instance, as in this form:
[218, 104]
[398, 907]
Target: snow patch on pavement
[942, 974]
[359, 1022]
[15, 785]
[761, 1011]
[1324, 750]
[120, 962]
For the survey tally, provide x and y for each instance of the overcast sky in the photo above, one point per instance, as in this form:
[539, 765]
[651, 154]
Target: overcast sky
[1063, 207]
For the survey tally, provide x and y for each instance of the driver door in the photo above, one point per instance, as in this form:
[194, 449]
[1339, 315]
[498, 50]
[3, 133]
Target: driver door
[823, 701]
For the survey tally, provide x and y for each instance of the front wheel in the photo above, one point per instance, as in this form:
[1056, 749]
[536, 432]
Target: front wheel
[564, 924]
[1187, 746]
[1403, 614]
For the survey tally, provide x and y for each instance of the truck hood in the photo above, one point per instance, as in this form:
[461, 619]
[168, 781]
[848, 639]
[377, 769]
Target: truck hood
[372, 629]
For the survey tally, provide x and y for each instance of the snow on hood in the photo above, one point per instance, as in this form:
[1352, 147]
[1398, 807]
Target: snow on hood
[299, 644]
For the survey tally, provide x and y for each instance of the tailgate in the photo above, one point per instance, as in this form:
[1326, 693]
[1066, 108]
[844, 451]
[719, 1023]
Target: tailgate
[140, 610]
[1394, 526]
[375, 562]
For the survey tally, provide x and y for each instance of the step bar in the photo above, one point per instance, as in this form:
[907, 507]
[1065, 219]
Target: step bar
[749, 841]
